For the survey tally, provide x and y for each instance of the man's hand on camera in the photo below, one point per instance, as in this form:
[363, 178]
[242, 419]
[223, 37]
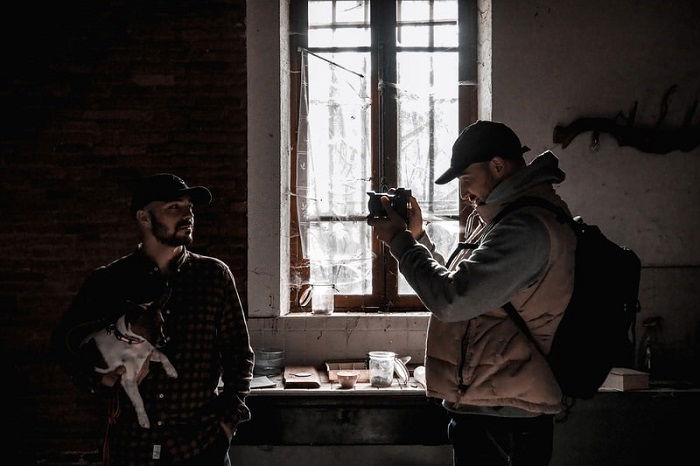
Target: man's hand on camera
[415, 219]
[386, 228]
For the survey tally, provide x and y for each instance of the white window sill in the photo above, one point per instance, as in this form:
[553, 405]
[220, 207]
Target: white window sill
[367, 315]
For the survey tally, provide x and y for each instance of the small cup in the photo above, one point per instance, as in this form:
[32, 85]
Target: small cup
[347, 379]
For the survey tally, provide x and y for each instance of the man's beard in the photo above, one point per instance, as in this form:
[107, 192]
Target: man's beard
[160, 232]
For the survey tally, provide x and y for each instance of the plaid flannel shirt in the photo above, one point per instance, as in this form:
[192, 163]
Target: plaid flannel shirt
[208, 344]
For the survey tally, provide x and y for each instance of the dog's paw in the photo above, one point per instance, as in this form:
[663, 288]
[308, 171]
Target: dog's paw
[171, 372]
[144, 422]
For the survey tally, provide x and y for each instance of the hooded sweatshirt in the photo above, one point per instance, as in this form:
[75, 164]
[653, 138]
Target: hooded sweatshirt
[476, 358]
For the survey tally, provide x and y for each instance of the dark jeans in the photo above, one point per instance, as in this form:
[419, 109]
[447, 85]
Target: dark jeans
[479, 440]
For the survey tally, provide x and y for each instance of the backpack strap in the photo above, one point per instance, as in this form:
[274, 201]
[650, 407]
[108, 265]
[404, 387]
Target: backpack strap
[567, 402]
[528, 201]
[562, 217]
[520, 323]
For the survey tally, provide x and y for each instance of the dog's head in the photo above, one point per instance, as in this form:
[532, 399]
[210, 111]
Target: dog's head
[146, 319]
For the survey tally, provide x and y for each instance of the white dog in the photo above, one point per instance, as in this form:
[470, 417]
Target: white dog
[130, 342]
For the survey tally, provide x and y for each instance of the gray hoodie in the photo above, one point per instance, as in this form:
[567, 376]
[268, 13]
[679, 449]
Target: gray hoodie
[509, 257]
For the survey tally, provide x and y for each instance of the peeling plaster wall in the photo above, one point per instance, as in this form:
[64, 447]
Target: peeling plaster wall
[555, 61]
[318, 339]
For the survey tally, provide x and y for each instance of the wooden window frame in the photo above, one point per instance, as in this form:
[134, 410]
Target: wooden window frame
[384, 143]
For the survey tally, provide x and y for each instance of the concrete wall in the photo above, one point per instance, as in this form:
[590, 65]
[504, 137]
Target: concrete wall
[555, 61]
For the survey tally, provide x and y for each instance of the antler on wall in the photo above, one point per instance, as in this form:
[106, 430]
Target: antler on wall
[652, 139]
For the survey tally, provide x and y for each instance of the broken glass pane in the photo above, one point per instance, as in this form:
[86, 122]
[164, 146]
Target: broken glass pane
[334, 170]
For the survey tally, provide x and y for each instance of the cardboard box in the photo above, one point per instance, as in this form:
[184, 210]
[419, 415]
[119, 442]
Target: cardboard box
[332, 367]
[623, 379]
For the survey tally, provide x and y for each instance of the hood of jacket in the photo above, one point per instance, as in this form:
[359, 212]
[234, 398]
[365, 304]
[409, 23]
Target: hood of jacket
[534, 179]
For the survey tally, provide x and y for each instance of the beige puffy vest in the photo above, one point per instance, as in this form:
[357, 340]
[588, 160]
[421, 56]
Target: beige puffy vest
[487, 361]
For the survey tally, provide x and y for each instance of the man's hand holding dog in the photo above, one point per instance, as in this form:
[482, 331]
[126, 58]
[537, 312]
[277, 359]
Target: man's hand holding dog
[111, 378]
[386, 228]
[228, 429]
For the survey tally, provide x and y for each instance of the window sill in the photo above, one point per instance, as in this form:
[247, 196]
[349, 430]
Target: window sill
[333, 389]
[355, 315]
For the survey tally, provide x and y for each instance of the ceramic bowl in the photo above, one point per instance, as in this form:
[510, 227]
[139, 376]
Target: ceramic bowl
[347, 379]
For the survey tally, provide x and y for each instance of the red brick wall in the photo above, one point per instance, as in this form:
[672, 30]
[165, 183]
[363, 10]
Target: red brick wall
[93, 94]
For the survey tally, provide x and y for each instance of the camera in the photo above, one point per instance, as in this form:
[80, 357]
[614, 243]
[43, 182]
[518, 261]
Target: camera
[398, 200]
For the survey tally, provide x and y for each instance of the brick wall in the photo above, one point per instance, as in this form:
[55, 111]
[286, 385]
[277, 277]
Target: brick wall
[94, 94]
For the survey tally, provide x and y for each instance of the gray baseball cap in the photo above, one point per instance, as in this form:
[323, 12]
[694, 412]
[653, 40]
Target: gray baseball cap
[480, 142]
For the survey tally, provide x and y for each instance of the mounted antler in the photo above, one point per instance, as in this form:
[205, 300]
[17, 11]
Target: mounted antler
[647, 139]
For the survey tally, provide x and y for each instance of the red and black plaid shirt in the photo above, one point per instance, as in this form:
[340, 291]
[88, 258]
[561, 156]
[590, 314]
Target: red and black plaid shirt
[208, 340]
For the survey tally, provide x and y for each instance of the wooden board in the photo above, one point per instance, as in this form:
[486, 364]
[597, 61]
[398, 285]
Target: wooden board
[294, 377]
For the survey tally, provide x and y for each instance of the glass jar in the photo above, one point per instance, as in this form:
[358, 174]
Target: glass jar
[268, 361]
[381, 368]
[322, 299]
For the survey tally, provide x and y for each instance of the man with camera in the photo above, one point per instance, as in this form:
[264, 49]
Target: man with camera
[497, 386]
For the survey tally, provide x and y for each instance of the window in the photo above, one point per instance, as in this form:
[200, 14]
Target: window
[380, 91]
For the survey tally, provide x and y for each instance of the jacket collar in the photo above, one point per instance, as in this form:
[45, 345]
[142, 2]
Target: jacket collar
[151, 267]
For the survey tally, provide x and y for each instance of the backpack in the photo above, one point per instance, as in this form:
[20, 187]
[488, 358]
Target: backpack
[596, 332]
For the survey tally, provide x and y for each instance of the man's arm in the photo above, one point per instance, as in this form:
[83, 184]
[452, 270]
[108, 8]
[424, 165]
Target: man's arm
[510, 258]
[425, 240]
[237, 358]
[88, 313]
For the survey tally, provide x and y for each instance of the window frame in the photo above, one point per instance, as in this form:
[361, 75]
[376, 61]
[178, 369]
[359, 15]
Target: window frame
[384, 141]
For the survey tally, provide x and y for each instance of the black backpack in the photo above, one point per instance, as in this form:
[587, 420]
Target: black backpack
[596, 332]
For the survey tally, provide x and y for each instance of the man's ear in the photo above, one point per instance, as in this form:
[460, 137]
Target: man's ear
[142, 217]
[497, 165]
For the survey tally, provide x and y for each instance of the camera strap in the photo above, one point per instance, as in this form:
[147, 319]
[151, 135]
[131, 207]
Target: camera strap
[461, 246]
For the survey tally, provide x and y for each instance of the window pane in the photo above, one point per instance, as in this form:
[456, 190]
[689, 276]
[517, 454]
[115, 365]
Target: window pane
[320, 12]
[413, 36]
[352, 11]
[445, 9]
[412, 10]
[336, 170]
[445, 35]
[428, 126]
[339, 130]
[340, 254]
[340, 37]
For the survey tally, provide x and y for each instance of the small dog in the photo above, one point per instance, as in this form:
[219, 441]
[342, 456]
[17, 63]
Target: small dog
[130, 342]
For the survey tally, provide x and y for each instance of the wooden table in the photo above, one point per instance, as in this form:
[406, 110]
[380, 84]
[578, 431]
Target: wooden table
[330, 415]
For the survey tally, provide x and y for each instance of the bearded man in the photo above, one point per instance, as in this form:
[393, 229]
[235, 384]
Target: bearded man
[194, 416]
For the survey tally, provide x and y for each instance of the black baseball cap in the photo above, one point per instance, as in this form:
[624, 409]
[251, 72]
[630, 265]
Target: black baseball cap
[166, 187]
[480, 142]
